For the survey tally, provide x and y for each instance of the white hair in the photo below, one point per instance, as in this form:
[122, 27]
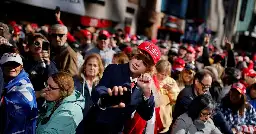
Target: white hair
[59, 27]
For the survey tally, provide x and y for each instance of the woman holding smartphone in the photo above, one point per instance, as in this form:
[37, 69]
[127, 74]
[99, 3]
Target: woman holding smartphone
[37, 63]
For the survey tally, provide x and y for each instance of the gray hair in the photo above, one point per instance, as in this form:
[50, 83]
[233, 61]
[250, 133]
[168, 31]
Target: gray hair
[59, 27]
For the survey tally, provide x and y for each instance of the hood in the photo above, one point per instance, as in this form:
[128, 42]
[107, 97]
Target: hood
[75, 97]
[18, 80]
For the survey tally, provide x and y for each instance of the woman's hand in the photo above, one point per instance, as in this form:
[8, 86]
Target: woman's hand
[169, 87]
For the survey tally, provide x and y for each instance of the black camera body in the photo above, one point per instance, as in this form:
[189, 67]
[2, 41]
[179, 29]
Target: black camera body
[107, 101]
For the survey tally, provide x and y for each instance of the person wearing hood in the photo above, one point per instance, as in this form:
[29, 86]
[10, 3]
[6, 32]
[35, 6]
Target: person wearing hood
[197, 118]
[64, 110]
[19, 107]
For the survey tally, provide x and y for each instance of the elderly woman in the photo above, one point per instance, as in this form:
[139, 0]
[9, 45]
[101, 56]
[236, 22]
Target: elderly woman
[237, 111]
[186, 76]
[64, 108]
[89, 77]
[197, 118]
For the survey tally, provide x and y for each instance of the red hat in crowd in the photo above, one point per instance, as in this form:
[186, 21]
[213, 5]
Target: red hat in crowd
[104, 33]
[191, 49]
[128, 50]
[16, 30]
[151, 49]
[178, 64]
[249, 72]
[134, 38]
[86, 33]
[239, 87]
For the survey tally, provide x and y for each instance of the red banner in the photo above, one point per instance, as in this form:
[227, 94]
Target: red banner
[94, 22]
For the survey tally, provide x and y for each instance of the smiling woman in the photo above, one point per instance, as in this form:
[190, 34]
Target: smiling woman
[19, 105]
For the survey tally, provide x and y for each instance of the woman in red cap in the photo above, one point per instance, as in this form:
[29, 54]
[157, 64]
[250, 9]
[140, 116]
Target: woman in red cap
[237, 111]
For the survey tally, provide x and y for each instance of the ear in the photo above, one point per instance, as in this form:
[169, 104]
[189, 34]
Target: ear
[26, 47]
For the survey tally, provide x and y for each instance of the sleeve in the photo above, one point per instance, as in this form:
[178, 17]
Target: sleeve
[250, 126]
[70, 38]
[51, 69]
[103, 85]
[71, 64]
[60, 124]
[231, 62]
[216, 131]
[220, 122]
[146, 108]
[205, 57]
[181, 106]
[179, 127]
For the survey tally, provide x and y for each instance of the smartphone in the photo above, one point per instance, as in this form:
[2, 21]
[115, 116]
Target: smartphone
[46, 46]
[108, 101]
[57, 9]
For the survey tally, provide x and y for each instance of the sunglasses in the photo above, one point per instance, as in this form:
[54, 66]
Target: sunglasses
[206, 114]
[102, 37]
[57, 35]
[188, 71]
[11, 64]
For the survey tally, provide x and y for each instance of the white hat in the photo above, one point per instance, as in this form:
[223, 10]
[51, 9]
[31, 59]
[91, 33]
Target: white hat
[11, 57]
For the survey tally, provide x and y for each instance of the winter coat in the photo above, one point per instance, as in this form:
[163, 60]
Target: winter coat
[65, 118]
[19, 106]
[185, 125]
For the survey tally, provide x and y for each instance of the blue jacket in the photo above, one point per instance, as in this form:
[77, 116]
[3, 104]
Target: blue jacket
[112, 120]
[20, 108]
[250, 100]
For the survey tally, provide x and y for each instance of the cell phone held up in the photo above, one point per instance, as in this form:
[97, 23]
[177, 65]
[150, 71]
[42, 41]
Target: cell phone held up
[45, 46]
[108, 101]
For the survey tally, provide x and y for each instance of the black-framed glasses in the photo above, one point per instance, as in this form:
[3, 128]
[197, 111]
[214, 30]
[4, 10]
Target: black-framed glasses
[205, 87]
[49, 87]
[57, 35]
[204, 114]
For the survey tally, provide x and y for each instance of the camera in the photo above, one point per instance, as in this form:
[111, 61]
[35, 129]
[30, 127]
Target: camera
[107, 101]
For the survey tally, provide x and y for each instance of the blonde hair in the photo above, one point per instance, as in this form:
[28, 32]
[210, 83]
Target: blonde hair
[163, 66]
[180, 82]
[100, 64]
[65, 82]
[122, 58]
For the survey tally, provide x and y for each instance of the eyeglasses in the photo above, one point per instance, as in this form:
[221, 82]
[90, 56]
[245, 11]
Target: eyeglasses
[102, 37]
[49, 87]
[59, 35]
[205, 87]
[204, 114]
[188, 71]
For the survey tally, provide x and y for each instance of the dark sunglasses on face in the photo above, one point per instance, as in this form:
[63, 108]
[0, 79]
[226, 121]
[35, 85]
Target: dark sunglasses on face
[36, 43]
[11, 64]
[188, 71]
[102, 37]
[206, 114]
[57, 35]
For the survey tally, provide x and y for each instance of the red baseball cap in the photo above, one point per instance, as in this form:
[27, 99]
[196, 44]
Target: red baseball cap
[104, 33]
[151, 49]
[239, 87]
[191, 49]
[86, 33]
[249, 72]
[134, 38]
[178, 64]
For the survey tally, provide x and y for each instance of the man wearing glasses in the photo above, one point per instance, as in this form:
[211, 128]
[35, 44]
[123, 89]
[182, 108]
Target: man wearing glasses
[65, 57]
[201, 85]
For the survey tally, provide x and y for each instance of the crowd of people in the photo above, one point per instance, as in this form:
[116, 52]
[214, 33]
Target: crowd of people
[53, 81]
